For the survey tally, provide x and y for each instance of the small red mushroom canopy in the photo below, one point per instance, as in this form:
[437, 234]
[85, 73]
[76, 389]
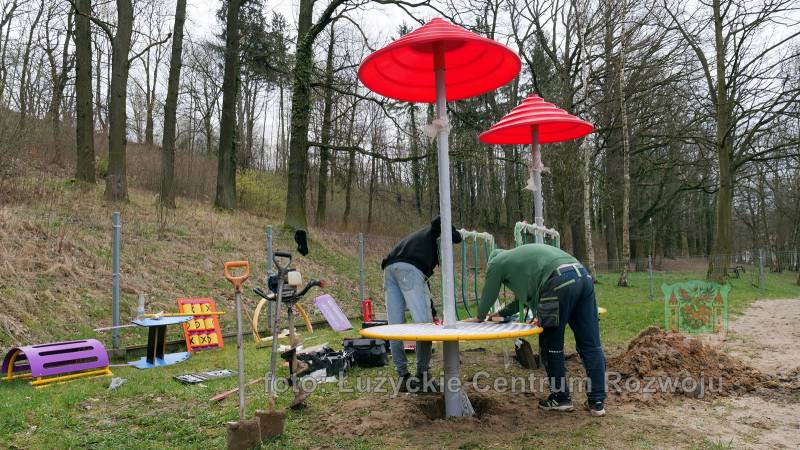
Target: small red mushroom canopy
[555, 124]
[404, 69]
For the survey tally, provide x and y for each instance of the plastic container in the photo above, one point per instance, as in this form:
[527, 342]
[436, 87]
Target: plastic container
[332, 313]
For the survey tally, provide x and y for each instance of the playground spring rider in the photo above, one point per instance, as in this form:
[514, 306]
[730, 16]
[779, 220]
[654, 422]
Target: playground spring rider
[285, 290]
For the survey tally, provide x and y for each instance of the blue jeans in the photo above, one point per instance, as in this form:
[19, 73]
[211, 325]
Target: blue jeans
[405, 287]
[578, 308]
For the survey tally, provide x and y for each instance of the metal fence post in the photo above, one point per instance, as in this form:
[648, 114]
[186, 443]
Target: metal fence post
[650, 276]
[269, 270]
[115, 279]
[361, 290]
[761, 281]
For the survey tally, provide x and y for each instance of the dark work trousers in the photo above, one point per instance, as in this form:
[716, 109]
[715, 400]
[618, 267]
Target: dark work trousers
[577, 306]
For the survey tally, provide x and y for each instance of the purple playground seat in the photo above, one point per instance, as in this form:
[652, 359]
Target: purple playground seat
[56, 361]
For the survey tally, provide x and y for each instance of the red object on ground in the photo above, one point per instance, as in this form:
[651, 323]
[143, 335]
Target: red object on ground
[366, 309]
[404, 69]
[555, 124]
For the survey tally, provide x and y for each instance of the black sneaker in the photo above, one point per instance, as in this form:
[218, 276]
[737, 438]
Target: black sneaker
[596, 409]
[427, 384]
[553, 403]
[406, 383]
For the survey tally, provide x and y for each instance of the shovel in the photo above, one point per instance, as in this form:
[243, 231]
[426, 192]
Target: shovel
[243, 434]
[273, 421]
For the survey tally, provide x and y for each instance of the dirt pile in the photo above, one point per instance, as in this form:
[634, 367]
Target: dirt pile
[659, 364]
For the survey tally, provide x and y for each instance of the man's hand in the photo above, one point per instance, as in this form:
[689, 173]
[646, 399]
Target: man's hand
[494, 317]
[472, 320]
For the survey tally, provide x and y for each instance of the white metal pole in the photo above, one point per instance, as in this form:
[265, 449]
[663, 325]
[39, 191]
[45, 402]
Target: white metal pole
[453, 395]
[536, 173]
[446, 246]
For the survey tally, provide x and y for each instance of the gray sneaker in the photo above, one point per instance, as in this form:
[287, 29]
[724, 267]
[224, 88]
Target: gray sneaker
[596, 409]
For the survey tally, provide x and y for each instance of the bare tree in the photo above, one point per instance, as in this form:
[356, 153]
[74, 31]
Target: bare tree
[84, 117]
[740, 77]
[226, 166]
[167, 196]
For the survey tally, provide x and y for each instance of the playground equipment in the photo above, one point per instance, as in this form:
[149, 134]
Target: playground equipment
[56, 362]
[156, 355]
[203, 331]
[436, 63]
[243, 434]
[475, 240]
[540, 234]
[285, 285]
[266, 303]
[535, 122]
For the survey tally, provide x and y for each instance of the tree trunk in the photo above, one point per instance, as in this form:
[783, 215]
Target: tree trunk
[371, 192]
[298, 144]
[116, 181]
[84, 117]
[60, 79]
[586, 152]
[626, 159]
[170, 109]
[721, 250]
[226, 164]
[325, 136]
[24, 72]
[351, 163]
[415, 164]
[510, 189]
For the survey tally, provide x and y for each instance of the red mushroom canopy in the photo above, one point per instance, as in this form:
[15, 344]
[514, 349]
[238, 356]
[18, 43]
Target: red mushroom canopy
[404, 69]
[555, 124]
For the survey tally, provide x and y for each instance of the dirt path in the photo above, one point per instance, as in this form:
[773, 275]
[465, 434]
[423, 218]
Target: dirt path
[767, 337]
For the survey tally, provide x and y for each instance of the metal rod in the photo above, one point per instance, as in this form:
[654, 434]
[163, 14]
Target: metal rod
[361, 263]
[761, 283]
[269, 269]
[210, 313]
[536, 174]
[650, 276]
[275, 332]
[240, 352]
[115, 244]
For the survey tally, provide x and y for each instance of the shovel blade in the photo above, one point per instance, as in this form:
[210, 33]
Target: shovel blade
[244, 434]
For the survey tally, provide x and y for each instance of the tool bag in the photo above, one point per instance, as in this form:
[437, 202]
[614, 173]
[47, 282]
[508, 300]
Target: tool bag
[366, 352]
[376, 323]
[334, 363]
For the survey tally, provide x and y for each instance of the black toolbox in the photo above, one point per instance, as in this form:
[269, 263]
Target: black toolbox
[366, 352]
[376, 323]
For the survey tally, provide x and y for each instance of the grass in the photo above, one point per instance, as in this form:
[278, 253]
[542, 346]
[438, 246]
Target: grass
[153, 411]
[55, 279]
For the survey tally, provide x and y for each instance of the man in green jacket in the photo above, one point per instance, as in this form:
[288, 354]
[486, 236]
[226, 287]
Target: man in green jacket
[553, 286]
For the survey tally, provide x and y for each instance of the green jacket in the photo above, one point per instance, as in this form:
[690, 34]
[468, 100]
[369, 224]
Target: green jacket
[524, 270]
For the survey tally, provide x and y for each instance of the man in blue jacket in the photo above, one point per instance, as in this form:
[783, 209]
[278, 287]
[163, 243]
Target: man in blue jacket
[405, 280]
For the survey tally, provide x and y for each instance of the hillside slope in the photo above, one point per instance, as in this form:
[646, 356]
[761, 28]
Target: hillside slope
[55, 260]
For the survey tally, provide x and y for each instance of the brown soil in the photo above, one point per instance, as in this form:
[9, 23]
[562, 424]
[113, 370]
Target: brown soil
[700, 370]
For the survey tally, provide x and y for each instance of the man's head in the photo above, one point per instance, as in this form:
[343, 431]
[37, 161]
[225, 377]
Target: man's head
[436, 230]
